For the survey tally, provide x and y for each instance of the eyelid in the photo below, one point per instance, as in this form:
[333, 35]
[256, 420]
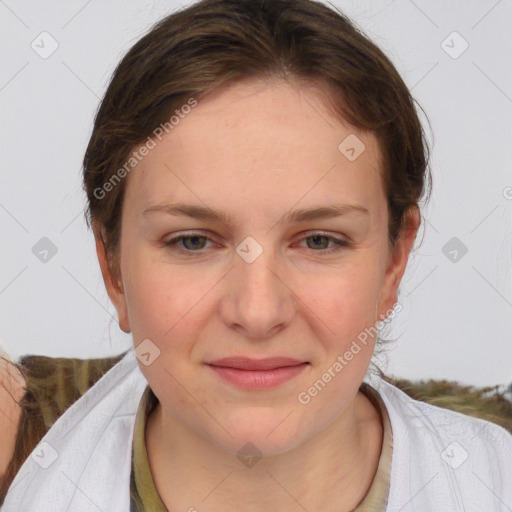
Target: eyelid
[186, 234]
[320, 232]
[340, 242]
[305, 234]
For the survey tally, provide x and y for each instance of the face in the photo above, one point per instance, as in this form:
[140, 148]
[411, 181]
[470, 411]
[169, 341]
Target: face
[258, 281]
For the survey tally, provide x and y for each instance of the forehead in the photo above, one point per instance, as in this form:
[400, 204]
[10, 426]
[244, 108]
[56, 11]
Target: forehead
[259, 140]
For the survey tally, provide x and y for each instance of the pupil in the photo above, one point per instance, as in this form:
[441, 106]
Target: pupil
[316, 238]
[196, 239]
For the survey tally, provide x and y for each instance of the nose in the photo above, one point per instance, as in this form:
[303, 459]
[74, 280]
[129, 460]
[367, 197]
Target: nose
[257, 300]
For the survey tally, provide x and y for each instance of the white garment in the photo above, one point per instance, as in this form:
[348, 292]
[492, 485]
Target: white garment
[83, 462]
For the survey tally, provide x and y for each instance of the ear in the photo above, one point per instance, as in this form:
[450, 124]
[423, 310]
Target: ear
[397, 264]
[113, 281]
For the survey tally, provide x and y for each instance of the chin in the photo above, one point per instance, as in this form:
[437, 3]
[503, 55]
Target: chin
[261, 436]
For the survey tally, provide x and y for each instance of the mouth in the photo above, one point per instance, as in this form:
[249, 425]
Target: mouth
[247, 363]
[250, 373]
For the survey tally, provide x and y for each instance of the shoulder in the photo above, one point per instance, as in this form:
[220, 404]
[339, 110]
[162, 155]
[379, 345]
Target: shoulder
[453, 456]
[37, 390]
[466, 408]
[93, 441]
[55, 383]
[451, 432]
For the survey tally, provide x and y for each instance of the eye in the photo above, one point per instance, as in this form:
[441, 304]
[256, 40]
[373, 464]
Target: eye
[189, 243]
[320, 239]
[193, 242]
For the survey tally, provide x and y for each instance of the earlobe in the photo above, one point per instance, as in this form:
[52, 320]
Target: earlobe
[113, 283]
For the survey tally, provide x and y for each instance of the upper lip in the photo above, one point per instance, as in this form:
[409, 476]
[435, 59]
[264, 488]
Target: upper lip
[246, 363]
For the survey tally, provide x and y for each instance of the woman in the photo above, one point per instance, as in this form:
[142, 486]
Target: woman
[235, 140]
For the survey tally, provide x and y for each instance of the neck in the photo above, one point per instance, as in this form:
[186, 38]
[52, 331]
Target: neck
[331, 471]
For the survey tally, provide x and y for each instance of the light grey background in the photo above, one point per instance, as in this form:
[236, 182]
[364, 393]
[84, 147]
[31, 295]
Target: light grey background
[457, 316]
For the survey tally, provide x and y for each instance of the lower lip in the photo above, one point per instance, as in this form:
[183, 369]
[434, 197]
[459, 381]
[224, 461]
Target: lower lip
[258, 379]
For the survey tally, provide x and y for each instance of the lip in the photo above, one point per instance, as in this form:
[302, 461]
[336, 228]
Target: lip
[247, 363]
[250, 373]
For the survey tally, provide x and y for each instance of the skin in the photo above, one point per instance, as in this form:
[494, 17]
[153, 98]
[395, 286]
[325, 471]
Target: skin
[12, 385]
[257, 150]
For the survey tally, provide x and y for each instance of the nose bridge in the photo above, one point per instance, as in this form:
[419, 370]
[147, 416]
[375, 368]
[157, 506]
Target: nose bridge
[259, 299]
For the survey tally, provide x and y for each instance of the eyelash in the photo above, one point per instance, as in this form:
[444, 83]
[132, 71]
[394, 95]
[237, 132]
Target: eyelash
[340, 244]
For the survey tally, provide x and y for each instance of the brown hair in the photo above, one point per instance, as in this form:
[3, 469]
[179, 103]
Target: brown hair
[196, 50]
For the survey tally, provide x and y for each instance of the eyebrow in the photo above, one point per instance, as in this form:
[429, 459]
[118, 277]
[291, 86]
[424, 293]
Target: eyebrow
[301, 215]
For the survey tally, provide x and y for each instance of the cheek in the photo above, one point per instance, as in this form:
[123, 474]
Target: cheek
[149, 294]
[161, 308]
[164, 300]
[154, 305]
[345, 301]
